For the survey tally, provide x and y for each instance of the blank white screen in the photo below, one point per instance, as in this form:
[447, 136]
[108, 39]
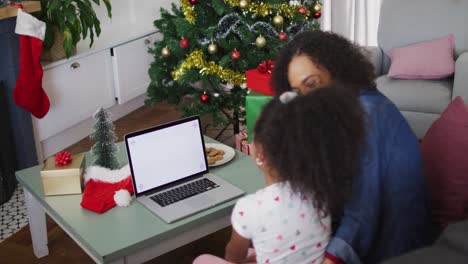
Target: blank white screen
[166, 155]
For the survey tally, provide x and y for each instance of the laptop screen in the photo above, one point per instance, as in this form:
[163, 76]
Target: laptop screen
[166, 154]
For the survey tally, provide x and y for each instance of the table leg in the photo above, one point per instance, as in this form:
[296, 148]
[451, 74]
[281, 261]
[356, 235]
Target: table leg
[37, 225]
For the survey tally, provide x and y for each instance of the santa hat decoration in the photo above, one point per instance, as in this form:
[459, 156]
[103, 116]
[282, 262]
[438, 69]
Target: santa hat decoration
[106, 188]
[28, 92]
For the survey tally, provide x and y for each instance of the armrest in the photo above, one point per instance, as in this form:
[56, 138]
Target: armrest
[460, 83]
[374, 55]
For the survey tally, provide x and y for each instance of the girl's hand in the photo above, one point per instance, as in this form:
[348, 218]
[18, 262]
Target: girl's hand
[252, 257]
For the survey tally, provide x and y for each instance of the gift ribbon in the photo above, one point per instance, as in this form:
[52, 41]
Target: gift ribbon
[20, 6]
[63, 158]
[266, 67]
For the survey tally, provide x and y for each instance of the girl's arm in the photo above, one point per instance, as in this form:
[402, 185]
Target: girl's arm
[237, 248]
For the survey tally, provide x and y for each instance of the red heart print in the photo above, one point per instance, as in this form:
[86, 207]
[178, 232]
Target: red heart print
[302, 215]
[241, 213]
[277, 198]
[280, 237]
[293, 247]
[267, 261]
[259, 202]
[276, 250]
[319, 245]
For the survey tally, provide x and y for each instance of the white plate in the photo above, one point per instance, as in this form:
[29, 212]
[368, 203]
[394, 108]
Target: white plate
[229, 153]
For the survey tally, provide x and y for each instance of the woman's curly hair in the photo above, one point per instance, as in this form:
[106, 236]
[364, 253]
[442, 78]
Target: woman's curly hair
[314, 142]
[344, 61]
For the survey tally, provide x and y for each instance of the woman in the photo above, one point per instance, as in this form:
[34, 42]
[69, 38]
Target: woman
[388, 212]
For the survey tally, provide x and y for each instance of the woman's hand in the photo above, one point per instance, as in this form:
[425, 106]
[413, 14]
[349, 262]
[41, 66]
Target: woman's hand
[327, 261]
[330, 259]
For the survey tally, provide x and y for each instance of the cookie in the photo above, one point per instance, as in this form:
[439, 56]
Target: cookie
[211, 161]
[208, 150]
[213, 153]
[218, 157]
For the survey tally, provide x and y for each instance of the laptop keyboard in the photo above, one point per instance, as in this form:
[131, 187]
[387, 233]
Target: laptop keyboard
[184, 192]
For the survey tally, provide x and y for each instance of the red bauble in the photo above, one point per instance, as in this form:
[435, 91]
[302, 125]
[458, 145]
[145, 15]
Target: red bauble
[235, 55]
[184, 43]
[204, 98]
[193, 2]
[302, 10]
[283, 36]
[317, 15]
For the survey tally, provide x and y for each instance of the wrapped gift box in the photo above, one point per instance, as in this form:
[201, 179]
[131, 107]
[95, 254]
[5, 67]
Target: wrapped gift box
[259, 79]
[246, 147]
[242, 144]
[254, 103]
[239, 138]
[67, 179]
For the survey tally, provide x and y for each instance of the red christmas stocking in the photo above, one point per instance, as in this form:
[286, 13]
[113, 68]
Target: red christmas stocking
[28, 92]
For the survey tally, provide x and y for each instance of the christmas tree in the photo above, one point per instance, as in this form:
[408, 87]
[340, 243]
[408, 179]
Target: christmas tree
[104, 134]
[208, 45]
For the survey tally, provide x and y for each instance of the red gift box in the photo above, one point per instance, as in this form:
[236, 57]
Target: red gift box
[242, 144]
[259, 79]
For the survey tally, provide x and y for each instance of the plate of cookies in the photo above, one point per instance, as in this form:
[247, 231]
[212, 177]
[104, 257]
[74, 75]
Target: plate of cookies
[218, 154]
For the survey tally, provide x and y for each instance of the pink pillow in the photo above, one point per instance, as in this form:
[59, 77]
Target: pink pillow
[426, 60]
[445, 154]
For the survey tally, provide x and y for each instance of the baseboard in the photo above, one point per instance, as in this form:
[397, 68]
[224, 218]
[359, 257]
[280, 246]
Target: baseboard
[82, 130]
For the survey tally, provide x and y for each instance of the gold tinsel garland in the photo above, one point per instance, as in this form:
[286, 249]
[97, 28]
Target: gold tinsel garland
[263, 9]
[195, 60]
[188, 10]
[260, 9]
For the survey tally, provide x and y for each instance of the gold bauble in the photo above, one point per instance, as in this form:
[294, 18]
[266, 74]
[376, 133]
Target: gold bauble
[278, 20]
[165, 52]
[212, 48]
[244, 4]
[260, 42]
[317, 7]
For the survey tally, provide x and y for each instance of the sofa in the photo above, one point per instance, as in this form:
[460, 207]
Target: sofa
[451, 248]
[405, 22]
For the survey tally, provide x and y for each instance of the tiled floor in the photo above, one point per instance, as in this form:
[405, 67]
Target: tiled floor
[13, 215]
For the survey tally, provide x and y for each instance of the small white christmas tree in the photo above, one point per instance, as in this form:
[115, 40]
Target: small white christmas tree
[104, 134]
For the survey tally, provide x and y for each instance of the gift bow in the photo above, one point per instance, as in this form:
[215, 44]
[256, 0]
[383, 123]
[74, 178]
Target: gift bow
[266, 66]
[63, 158]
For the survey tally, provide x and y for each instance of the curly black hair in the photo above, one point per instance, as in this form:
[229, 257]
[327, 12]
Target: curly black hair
[314, 142]
[344, 60]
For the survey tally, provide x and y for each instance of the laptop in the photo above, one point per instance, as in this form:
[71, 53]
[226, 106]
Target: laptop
[170, 170]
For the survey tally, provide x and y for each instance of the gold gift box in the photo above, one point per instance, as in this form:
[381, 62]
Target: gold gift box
[68, 179]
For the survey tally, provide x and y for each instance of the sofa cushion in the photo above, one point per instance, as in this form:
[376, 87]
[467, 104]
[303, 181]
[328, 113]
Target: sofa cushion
[403, 22]
[426, 60]
[444, 150]
[427, 96]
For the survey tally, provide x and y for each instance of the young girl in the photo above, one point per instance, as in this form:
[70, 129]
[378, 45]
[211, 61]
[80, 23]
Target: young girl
[308, 149]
